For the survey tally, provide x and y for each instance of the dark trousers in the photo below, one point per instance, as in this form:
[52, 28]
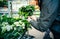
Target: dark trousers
[47, 35]
[56, 34]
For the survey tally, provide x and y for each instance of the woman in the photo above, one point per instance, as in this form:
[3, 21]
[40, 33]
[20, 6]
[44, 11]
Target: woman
[49, 17]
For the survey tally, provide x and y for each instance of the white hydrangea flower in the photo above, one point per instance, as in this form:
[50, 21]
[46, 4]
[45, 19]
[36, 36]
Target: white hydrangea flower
[8, 27]
[23, 24]
[16, 16]
[20, 22]
[14, 28]
[5, 23]
[11, 27]
[17, 23]
[23, 27]
[3, 29]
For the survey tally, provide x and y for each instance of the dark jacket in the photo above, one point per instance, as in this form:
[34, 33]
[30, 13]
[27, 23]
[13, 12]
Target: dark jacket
[49, 13]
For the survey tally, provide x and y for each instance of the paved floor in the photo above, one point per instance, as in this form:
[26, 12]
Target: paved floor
[37, 34]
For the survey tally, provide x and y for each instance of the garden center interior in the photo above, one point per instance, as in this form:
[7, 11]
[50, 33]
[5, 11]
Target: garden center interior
[12, 15]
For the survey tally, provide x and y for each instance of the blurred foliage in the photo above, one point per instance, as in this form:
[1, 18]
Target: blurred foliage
[3, 3]
[11, 28]
[27, 10]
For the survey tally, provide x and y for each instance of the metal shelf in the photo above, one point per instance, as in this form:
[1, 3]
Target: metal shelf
[4, 12]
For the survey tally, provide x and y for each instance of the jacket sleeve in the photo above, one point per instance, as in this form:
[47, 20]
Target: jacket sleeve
[46, 19]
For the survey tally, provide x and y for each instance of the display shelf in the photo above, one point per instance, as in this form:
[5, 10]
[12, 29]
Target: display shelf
[5, 9]
[16, 4]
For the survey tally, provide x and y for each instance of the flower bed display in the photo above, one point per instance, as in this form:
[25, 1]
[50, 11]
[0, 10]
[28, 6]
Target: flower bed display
[12, 27]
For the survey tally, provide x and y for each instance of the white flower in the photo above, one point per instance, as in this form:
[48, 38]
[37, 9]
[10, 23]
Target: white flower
[23, 24]
[5, 23]
[20, 22]
[3, 29]
[8, 27]
[23, 27]
[17, 23]
[14, 28]
[11, 27]
[16, 16]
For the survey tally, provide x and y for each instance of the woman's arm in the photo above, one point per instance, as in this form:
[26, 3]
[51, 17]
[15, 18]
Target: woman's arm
[46, 19]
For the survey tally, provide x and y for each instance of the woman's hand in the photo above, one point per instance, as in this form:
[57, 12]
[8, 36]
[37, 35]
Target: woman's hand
[29, 19]
[32, 18]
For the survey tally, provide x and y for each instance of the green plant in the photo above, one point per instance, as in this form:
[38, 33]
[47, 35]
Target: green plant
[11, 28]
[26, 11]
